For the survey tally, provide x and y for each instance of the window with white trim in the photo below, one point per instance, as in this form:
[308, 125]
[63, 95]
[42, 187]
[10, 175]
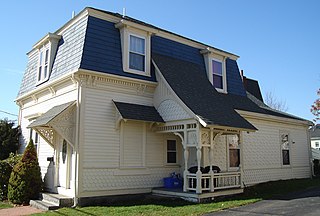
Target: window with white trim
[217, 74]
[43, 65]
[317, 144]
[234, 151]
[137, 53]
[171, 151]
[216, 69]
[136, 49]
[47, 48]
[285, 148]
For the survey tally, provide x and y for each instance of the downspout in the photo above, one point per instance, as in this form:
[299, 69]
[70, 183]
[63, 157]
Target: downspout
[76, 187]
[310, 153]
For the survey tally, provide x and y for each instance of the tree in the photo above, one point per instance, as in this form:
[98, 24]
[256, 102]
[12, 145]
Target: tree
[9, 138]
[25, 181]
[315, 107]
[275, 103]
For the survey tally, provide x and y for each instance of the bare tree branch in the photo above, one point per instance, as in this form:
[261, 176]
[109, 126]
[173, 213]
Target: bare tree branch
[275, 103]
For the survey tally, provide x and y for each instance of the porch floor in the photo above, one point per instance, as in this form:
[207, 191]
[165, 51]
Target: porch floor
[193, 196]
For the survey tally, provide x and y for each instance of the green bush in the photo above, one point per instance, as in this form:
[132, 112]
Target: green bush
[5, 171]
[25, 182]
[9, 138]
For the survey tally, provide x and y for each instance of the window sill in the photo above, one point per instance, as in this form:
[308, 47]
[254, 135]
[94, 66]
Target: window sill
[132, 71]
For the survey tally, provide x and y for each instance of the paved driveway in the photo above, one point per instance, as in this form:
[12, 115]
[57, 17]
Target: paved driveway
[302, 203]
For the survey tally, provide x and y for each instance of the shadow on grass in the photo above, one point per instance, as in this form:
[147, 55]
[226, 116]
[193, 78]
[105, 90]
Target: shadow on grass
[280, 190]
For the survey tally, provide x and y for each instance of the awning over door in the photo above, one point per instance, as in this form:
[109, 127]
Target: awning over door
[48, 116]
[60, 120]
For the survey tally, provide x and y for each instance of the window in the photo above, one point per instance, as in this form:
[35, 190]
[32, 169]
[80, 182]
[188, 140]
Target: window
[216, 69]
[136, 48]
[317, 144]
[171, 151]
[43, 69]
[217, 74]
[234, 151]
[285, 151]
[47, 48]
[137, 53]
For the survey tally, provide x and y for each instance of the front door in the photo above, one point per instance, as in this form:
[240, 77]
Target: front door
[64, 161]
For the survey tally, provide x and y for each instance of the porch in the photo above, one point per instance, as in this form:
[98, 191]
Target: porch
[218, 184]
[212, 185]
[205, 151]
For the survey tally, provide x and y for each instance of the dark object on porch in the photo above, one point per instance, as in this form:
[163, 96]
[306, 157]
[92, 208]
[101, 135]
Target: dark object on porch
[194, 169]
[215, 169]
[204, 182]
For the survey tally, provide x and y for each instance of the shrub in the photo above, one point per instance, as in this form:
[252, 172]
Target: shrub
[9, 138]
[5, 171]
[25, 181]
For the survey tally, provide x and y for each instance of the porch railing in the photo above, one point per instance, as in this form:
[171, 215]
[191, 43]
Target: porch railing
[219, 181]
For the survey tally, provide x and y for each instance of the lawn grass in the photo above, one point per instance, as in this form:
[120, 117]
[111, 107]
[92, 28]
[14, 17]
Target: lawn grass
[4, 204]
[160, 206]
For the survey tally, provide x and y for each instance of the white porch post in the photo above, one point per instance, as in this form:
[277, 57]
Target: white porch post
[185, 172]
[241, 159]
[211, 160]
[199, 173]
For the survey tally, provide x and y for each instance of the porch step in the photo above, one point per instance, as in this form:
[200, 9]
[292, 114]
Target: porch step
[57, 199]
[43, 205]
[50, 201]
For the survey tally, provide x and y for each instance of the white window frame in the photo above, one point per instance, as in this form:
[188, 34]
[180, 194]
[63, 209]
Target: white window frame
[166, 152]
[281, 149]
[223, 74]
[145, 54]
[228, 154]
[209, 56]
[42, 63]
[125, 32]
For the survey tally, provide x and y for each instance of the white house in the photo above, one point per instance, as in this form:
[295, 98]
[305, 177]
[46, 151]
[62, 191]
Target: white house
[315, 141]
[115, 105]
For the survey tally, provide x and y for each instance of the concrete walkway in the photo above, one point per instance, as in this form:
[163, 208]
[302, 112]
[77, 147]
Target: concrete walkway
[295, 204]
[17, 211]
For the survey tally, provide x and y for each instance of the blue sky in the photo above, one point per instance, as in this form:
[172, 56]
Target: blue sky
[278, 41]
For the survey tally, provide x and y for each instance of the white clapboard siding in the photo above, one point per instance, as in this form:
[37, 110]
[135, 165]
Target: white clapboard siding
[263, 155]
[101, 144]
[155, 150]
[132, 153]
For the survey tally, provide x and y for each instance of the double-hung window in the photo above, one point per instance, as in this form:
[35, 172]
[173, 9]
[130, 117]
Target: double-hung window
[171, 151]
[285, 148]
[137, 53]
[234, 151]
[136, 48]
[43, 69]
[217, 74]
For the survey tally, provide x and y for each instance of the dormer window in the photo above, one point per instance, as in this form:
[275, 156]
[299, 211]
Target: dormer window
[43, 64]
[136, 48]
[216, 69]
[47, 48]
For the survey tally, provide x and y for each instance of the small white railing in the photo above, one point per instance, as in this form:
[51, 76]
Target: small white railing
[218, 181]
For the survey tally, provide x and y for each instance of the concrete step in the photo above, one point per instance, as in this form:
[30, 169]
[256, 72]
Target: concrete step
[57, 199]
[43, 205]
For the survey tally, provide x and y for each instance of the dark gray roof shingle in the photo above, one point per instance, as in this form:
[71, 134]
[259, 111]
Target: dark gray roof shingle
[138, 112]
[191, 85]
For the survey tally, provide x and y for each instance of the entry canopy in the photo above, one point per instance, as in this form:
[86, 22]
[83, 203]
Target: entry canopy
[48, 116]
